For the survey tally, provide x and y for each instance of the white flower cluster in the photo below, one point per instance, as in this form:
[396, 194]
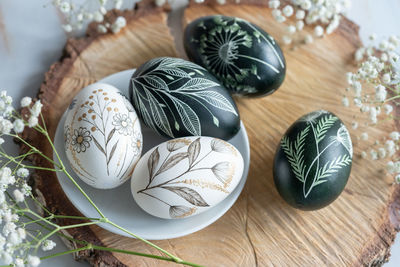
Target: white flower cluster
[77, 16]
[375, 90]
[14, 242]
[323, 14]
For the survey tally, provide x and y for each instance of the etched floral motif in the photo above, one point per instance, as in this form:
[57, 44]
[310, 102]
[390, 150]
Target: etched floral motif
[221, 47]
[319, 123]
[123, 124]
[136, 143]
[156, 101]
[99, 109]
[81, 139]
[186, 151]
[67, 135]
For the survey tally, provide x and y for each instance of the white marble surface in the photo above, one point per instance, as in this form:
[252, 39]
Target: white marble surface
[31, 39]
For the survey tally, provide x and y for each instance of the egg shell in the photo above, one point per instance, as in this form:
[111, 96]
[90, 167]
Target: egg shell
[186, 176]
[245, 58]
[178, 98]
[313, 161]
[103, 139]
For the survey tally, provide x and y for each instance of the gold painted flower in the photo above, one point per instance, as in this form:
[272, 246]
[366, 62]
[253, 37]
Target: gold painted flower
[123, 124]
[81, 139]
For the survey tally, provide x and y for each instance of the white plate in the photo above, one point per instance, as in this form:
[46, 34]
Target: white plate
[118, 205]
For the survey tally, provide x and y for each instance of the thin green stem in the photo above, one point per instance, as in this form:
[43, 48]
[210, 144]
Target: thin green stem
[176, 259]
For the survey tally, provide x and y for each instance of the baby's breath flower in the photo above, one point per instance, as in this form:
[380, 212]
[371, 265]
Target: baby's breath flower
[36, 108]
[22, 172]
[19, 126]
[390, 167]
[286, 39]
[354, 125]
[5, 126]
[345, 101]
[364, 136]
[373, 154]
[386, 78]
[101, 28]
[291, 29]
[67, 27]
[381, 153]
[300, 14]
[33, 261]
[288, 11]
[19, 262]
[48, 245]
[98, 17]
[65, 7]
[274, 4]
[318, 31]
[364, 154]
[19, 197]
[299, 25]
[33, 121]
[26, 101]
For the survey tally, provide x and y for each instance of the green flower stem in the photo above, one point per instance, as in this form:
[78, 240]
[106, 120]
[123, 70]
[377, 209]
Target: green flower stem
[392, 98]
[34, 149]
[176, 259]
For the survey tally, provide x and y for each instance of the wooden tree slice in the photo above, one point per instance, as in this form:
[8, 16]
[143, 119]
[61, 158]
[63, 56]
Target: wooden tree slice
[260, 229]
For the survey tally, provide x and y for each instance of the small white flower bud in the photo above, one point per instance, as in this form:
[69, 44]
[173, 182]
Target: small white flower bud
[345, 101]
[318, 31]
[308, 39]
[26, 101]
[286, 40]
[19, 197]
[364, 136]
[300, 14]
[291, 29]
[33, 121]
[160, 2]
[101, 28]
[288, 11]
[299, 25]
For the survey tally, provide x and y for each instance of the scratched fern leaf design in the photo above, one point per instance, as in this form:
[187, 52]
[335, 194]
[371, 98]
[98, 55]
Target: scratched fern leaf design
[318, 124]
[156, 101]
[221, 46]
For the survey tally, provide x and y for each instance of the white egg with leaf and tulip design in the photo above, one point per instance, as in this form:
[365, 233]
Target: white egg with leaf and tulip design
[102, 135]
[186, 176]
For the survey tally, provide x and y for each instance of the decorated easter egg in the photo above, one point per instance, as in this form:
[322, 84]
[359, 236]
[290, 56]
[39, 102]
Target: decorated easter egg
[246, 59]
[186, 176]
[313, 161]
[103, 139]
[178, 98]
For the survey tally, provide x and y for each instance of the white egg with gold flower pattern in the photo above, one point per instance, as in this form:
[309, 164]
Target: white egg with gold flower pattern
[103, 138]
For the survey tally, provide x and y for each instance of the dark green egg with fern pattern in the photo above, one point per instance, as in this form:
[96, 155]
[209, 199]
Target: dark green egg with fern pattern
[313, 161]
[245, 58]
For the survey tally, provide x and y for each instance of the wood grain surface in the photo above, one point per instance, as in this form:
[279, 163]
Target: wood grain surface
[260, 229]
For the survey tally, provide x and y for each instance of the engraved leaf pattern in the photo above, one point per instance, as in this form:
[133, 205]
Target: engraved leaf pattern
[295, 153]
[323, 125]
[332, 166]
[217, 100]
[175, 144]
[99, 147]
[188, 194]
[172, 161]
[294, 150]
[194, 151]
[181, 183]
[189, 118]
[152, 162]
[177, 212]
[159, 105]
[112, 152]
[221, 146]
[110, 135]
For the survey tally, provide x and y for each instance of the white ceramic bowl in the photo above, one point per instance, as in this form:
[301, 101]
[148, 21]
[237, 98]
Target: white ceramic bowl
[118, 204]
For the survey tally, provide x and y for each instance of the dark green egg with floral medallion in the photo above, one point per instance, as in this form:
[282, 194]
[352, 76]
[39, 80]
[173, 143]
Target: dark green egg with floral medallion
[178, 98]
[313, 161]
[246, 59]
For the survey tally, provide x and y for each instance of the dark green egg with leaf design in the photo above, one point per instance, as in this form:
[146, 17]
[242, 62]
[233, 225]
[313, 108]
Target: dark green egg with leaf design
[179, 98]
[313, 161]
[246, 59]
